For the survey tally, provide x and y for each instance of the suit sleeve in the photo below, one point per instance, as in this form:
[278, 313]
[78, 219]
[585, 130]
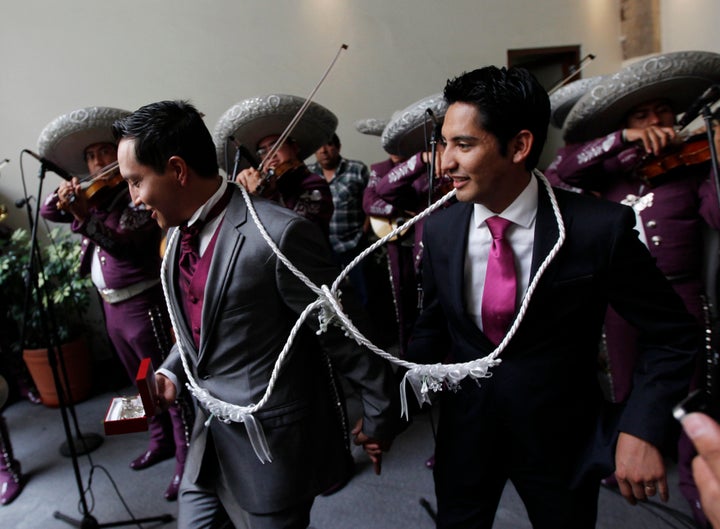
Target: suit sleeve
[669, 335]
[368, 374]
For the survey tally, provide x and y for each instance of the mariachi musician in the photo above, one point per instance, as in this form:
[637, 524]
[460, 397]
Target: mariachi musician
[120, 244]
[399, 189]
[615, 134]
[276, 170]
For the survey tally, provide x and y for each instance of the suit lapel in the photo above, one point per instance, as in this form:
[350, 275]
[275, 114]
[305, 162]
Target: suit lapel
[456, 253]
[227, 247]
[546, 234]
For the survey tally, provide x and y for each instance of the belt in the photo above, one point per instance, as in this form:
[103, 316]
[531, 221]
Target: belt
[116, 295]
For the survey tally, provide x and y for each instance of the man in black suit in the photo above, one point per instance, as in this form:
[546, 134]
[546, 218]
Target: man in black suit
[539, 420]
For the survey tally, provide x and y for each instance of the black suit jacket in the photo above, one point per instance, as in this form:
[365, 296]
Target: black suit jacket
[542, 405]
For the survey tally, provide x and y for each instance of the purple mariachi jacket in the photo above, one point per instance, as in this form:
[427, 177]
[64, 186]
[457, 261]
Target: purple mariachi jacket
[672, 211]
[400, 191]
[127, 237]
[307, 194]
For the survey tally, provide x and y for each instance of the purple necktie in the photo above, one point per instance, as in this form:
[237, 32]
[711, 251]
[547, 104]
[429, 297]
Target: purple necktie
[498, 301]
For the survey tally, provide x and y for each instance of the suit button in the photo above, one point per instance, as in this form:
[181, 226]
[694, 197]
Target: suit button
[196, 330]
[651, 224]
[193, 299]
[656, 240]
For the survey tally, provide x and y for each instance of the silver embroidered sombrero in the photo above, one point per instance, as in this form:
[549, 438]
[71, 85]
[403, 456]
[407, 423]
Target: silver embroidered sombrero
[371, 126]
[564, 98]
[64, 140]
[679, 77]
[407, 131]
[253, 119]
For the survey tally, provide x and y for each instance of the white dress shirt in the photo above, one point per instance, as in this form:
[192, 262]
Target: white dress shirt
[520, 235]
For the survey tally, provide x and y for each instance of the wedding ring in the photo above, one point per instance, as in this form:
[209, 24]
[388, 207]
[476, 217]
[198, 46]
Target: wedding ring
[649, 486]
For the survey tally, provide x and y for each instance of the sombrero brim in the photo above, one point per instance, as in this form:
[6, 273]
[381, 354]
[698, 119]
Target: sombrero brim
[678, 77]
[371, 126]
[64, 140]
[564, 98]
[408, 131]
[253, 119]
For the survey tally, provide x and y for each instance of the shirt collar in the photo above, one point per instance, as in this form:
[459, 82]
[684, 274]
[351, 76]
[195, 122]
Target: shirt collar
[203, 210]
[521, 212]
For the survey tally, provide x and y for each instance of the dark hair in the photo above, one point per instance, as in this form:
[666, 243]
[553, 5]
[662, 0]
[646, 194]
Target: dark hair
[334, 141]
[508, 101]
[169, 128]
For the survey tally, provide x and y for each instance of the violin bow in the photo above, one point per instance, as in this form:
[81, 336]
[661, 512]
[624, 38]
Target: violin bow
[299, 114]
[576, 70]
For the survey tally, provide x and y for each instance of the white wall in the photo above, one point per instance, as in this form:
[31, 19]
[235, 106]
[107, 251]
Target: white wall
[690, 25]
[57, 56]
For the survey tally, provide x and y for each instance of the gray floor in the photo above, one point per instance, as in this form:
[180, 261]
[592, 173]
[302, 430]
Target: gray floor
[115, 493]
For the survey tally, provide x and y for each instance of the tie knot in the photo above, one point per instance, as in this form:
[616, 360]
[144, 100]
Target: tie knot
[191, 231]
[497, 226]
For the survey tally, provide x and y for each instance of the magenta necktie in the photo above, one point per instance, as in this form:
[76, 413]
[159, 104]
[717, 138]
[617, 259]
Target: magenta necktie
[498, 301]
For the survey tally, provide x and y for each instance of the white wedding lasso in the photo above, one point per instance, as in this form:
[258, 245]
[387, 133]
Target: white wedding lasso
[423, 378]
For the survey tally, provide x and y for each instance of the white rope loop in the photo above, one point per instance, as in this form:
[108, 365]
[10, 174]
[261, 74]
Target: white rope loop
[423, 378]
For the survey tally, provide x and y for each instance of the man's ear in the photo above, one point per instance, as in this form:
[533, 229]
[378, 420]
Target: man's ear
[521, 145]
[178, 169]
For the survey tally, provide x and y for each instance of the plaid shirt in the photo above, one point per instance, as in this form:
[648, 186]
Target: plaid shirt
[347, 187]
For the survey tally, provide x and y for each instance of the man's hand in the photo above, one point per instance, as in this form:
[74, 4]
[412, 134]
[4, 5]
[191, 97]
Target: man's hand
[373, 447]
[249, 178]
[71, 198]
[639, 469]
[653, 138]
[704, 432]
[167, 392]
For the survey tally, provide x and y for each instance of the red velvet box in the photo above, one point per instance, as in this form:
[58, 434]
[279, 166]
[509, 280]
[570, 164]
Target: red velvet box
[130, 414]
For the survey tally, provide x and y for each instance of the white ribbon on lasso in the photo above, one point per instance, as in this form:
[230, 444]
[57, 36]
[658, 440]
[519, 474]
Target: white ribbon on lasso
[423, 378]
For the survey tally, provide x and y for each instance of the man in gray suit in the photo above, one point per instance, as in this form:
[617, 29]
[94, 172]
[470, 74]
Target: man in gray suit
[270, 434]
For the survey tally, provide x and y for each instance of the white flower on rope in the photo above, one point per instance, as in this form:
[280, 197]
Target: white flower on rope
[423, 378]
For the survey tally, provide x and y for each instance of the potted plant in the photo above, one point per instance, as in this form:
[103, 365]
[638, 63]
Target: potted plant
[64, 296]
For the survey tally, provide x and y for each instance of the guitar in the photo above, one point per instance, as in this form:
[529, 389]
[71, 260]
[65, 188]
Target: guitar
[381, 226]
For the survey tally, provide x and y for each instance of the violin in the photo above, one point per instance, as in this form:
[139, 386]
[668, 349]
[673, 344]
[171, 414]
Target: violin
[95, 186]
[695, 150]
[270, 178]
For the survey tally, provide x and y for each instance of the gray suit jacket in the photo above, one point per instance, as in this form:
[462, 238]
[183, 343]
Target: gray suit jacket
[251, 302]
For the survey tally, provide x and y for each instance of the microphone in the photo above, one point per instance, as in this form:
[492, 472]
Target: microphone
[4, 162]
[430, 113]
[20, 202]
[50, 166]
[708, 97]
[245, 153]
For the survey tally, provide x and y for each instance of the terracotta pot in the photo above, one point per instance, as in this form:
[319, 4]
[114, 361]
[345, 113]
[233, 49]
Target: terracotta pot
[76, 355]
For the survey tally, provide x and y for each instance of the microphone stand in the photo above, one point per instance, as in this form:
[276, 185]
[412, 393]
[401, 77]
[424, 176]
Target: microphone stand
[433, 153]
[48, 323]
[711, 376]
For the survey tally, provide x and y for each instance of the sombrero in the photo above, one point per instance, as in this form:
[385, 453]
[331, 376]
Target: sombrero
[64, 140]
[563, 99]
[679, 77]
[408, 130]
[253, 119]
[371, 126]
